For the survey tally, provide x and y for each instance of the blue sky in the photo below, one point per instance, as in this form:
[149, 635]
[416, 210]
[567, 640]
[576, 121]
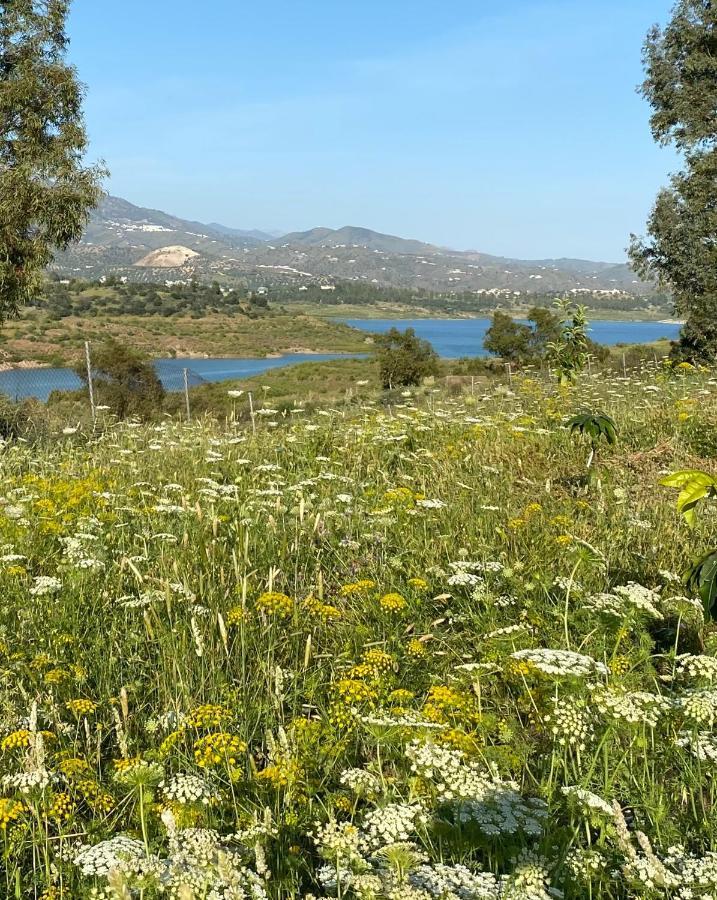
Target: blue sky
[511, 128]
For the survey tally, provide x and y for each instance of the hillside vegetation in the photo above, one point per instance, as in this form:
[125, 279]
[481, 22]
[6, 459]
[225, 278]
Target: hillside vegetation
[192, 320]
[386, 651]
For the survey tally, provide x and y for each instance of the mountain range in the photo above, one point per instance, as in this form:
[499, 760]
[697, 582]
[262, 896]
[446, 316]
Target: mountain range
[150, 245]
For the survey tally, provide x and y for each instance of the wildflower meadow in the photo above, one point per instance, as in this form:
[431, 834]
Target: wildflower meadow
[438, 648]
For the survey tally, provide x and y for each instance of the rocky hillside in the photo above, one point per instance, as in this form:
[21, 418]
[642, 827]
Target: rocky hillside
[150, 245]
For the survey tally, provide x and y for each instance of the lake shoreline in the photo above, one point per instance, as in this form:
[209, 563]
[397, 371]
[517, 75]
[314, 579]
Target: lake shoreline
[452, 339]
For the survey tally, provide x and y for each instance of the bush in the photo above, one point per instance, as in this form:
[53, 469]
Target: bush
[404, 358]
[124, 380]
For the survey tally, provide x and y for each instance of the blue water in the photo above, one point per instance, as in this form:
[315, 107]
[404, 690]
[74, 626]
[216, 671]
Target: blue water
[22, 383]
[453, 338]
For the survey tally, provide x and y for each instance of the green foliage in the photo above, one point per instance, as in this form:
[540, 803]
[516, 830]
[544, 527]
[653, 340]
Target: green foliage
[545, 328]
[45, 191]
[681, 251]
[520, 342]
[694, 487]
[681, 76]
[594, 426]
[404, 358]
[124, 380]
[701, 578]
[569, 351]
[507, 338]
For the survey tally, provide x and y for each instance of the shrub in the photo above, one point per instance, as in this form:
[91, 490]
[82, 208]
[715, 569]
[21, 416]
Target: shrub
[404, 358]
[124, 380]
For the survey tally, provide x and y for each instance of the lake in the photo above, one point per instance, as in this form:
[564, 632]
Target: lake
[452, 338]
[21, 383]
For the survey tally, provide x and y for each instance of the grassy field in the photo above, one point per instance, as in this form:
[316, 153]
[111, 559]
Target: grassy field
[379, 650]
[39, 339]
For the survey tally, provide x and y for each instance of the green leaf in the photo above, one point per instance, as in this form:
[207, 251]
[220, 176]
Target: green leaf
[681, 478]
[694, 485]
[701, 578]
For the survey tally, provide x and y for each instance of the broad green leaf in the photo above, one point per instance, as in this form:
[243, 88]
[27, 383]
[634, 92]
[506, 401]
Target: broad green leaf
[680, 479]
[701, 578]
[689, 497]
[694, 485]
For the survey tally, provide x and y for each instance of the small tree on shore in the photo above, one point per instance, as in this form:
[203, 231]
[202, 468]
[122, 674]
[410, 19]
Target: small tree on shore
[508, 339]
[124, 380]
[405, 359]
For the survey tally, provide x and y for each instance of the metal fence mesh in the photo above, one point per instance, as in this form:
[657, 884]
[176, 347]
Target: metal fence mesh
[23, 383]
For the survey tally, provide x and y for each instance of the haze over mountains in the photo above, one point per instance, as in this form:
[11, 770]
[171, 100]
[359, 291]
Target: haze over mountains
[146, 244]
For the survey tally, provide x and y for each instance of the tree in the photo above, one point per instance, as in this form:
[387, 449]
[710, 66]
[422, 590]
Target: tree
[545, 328]
[405, 359]
[681, 250]
[124, 380]
[508, 339]
[46, 192]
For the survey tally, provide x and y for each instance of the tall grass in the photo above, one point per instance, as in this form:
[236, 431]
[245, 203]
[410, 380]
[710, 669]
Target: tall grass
[375, 651]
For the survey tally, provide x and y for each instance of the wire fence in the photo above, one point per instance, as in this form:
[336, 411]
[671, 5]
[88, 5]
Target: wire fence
[39, 383]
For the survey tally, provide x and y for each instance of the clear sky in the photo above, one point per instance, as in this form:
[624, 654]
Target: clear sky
[510, 127]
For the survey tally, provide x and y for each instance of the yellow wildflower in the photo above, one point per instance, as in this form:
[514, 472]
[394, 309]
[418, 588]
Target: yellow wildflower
[81, 706]
[620, 665]
[16, 739]
[353, 691]
[10, 811]
[418, 584]
[416, 648]
[401, 695]
[357, 587]
[275, 603]
[62, 807]
[217, 748]
[281, 773]
[95, 797]
[208, 716]
[170, 742]
[236, 615]
[320, 610]
[392, 602]
[73, 766]
[377, 659]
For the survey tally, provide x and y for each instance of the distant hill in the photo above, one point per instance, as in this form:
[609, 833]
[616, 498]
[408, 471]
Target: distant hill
[351, 236]
[117, 222]
[254, 234]
[142, 244]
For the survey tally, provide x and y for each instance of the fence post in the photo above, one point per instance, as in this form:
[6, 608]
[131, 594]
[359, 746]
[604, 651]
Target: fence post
[510, 373]
[186, 394]
[251, 412]
[88, 362]
[624, 367]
